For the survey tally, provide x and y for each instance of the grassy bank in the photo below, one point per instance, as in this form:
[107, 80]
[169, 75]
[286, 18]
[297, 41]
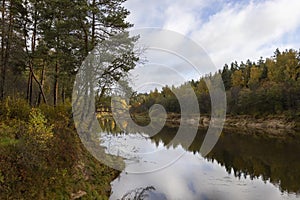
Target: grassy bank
[41, 156]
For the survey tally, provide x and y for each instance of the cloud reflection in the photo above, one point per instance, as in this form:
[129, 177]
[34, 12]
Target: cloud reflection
[192, 177]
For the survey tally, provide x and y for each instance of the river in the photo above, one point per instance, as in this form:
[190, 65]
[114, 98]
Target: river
[240, 166]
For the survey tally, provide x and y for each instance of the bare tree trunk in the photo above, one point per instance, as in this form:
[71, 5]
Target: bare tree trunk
[32, 75]
[7, 47]
[30, 89]
[41, 88]
[85, 38]
[37, 81]
[93, 24]
[2, 82]
[42, 85]
[33, 44]
[55, 88]
[63, 95]
[27, 93]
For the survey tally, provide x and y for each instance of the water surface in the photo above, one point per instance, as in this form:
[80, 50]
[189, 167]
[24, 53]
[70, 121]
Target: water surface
[241, 166]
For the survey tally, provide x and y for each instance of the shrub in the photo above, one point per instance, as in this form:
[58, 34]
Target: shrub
[38, 128]
[15, 108]
[60, 115]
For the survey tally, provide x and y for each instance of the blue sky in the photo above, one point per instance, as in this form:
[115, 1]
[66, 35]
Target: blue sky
[227, 30]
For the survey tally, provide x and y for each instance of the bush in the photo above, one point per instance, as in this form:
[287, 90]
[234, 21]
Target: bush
[38, 128]
[60, 116]
[14, 108]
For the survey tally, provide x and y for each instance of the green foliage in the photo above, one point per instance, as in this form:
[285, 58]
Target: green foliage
[14, 108]
[38, 128]
[6, 141]
[44, 160]
[270, 86]
[59, 116]
[45, 42]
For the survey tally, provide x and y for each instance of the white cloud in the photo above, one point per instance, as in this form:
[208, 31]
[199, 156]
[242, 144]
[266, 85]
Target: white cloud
[171, 59]
[239, 32]
[232, 30]
[182, 16]
[176, 15]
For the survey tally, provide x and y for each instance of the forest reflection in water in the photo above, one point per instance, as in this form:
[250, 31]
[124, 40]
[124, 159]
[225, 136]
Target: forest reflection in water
[258, 162]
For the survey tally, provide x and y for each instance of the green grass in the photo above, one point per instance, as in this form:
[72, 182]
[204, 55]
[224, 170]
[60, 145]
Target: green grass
[6, 141]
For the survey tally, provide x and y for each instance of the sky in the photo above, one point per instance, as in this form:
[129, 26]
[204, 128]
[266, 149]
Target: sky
[227, 30]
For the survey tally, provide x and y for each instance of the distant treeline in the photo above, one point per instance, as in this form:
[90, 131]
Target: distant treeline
[270, 86]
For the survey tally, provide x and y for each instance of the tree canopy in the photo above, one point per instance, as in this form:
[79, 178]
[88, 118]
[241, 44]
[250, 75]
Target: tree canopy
[270, 86]
[43, 43]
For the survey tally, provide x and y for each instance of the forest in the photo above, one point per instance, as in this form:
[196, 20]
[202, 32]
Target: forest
[265, 87]
[43, 43]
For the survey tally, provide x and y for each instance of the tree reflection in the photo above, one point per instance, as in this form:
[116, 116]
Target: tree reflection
[273, 159]
[138, 193]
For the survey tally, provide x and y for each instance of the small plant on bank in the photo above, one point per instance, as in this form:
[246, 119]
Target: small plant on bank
[38, 128]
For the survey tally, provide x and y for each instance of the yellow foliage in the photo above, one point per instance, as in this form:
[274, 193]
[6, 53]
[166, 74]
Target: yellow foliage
[38, 129]
[237, 78]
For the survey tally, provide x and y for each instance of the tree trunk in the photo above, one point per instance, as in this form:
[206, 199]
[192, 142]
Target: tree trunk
[42, 85]
[7, 47]
[2, 82]
[93, 24]
[30, 87]
[55, 88]
[39, 84]
[31, 61]
[63, 95]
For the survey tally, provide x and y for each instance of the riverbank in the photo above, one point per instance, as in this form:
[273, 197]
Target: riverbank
[64, 171]
[42, 157]
[242, 121]
[272, 125]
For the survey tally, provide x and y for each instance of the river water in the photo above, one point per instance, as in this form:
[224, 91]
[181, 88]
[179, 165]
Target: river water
[241, 166]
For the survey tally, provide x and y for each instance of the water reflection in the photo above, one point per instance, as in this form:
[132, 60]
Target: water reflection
[241, 166]
[273, 159]
[140, 193]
